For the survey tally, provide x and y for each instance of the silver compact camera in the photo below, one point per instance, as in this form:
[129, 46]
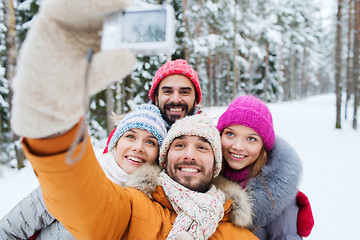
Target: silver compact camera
[146, 30]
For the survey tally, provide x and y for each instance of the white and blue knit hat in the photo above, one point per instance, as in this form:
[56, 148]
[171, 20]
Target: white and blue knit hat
[147, 117]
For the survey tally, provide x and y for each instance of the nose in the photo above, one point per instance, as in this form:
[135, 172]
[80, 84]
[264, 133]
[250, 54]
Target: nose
[238, 144]
[176, 97]
[189, 153]
[138, 146]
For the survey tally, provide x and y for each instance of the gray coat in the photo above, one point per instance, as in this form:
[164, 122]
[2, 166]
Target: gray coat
[29, 216]
[282, 176]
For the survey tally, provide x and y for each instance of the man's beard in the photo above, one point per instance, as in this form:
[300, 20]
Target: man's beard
[202, 186]
[171, 119]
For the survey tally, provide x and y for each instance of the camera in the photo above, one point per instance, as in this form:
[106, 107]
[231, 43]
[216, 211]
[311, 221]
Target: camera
[146, 30]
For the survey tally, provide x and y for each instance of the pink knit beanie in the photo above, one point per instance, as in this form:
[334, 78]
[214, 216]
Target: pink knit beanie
[195, 125]
[178, 66]
[251, 112]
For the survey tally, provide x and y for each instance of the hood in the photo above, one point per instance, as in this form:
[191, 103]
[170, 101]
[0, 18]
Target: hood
[145, 179]
[282, 175]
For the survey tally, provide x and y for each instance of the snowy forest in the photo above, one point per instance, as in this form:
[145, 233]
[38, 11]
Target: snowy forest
[278, 50]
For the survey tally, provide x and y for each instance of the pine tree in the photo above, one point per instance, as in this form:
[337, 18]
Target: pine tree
[356, 63]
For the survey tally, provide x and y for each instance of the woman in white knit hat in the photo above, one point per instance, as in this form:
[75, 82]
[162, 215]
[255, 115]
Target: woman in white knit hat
[135, 141]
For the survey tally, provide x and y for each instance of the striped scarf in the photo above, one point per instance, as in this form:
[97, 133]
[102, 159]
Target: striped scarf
[198, 214]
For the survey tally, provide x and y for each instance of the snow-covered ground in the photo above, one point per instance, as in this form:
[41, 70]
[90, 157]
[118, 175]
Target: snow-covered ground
[330, 160]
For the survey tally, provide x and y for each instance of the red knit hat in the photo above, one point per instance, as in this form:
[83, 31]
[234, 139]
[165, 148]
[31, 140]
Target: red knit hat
[179, 66]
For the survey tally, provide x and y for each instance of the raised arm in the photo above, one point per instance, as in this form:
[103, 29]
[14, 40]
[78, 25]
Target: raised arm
[79, 195]
[54, 77]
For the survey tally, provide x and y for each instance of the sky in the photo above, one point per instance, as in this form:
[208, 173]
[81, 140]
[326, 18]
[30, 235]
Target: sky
[330, 164]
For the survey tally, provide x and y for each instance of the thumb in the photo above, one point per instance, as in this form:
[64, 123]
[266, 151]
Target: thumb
[301, 198]
[108, 67]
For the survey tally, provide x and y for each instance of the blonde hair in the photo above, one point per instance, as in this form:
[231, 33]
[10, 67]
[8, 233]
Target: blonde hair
[117, 118]
[256, 167]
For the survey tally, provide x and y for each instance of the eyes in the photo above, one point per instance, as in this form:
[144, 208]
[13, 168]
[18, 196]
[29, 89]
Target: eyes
[252, 139]
[129, 136]
[249, 137]
[148, 140]
[229, 133]
[178, 145]
[201, 146]
[184, 92]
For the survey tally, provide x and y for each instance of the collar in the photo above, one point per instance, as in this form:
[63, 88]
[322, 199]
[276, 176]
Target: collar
[237, 208]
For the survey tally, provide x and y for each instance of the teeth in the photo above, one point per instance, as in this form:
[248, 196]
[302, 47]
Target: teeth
[135, 159]
[237, 155]
[189, 170]
[175, 109]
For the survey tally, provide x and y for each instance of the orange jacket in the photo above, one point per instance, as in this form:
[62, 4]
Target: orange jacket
[90, 206]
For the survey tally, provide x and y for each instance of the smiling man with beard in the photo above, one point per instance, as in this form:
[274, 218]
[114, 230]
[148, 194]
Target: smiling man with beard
[190, 162]
[176, 90]
[192, 159]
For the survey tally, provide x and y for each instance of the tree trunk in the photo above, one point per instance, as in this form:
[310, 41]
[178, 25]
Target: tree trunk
[293, 75]
[186, 48]
[11, 50]
[250, 84]
[118, 98]
[11, 57]
[236, 69]
[199, 20]
[349, 74]
[281, 72]
[210, 74]
[128, 93]
[109, 108]
[198, 33]
[228, 79]
[304, 74]
[217, 69]
[338, 66]
[266, 77]
[356, 62]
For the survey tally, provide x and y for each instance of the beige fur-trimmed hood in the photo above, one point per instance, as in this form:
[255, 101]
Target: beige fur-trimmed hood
[145, 179]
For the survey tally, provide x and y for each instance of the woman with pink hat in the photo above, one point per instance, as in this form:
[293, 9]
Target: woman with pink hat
[266, 166]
